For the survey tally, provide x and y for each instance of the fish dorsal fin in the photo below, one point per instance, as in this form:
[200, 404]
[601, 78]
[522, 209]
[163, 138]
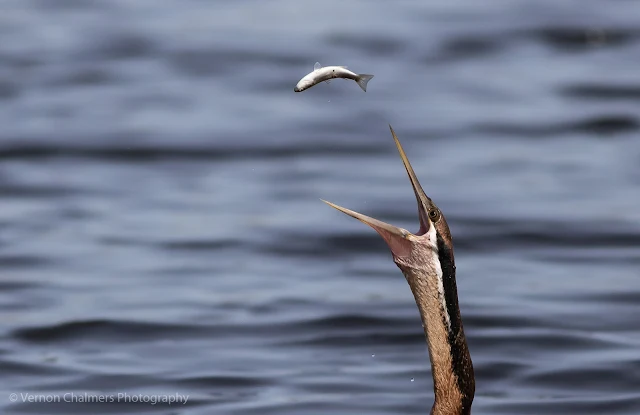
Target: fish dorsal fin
[345, 67]
[317, 66]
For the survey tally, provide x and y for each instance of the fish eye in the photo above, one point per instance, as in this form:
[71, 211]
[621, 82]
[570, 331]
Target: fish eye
[434, 214]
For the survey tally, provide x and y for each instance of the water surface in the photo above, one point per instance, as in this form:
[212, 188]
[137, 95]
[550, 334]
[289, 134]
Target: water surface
[161, 231]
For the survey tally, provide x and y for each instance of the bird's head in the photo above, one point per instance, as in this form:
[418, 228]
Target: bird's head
[430, 245]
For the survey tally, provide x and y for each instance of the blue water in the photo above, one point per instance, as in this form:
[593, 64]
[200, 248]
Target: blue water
[161, 231]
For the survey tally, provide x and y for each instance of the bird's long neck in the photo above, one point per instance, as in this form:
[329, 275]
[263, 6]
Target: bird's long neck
[435, 291]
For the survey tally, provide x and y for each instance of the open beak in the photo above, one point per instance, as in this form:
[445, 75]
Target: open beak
[421, 197]
[397, 239]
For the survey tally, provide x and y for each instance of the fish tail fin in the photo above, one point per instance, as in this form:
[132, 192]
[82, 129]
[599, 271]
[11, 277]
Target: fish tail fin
[362, 80]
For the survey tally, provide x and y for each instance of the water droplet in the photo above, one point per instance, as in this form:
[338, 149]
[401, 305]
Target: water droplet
[373, 355]
[412, 379]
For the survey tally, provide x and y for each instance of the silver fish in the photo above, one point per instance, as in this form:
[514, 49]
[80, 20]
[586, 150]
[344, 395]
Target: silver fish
[327, 73]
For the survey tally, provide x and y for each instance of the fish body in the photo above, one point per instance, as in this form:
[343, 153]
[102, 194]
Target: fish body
[328, 73]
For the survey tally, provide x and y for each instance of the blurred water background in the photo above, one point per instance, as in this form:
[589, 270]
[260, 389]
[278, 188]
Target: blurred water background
[161, 230]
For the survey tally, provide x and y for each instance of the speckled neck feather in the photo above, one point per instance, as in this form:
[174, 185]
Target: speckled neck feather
[430, 272]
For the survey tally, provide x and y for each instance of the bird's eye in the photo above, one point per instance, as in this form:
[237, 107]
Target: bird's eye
[434, 214]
